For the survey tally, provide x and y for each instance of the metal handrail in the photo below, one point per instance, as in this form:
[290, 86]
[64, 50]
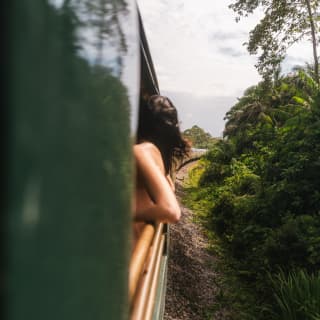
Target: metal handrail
[154, 284]
[147, 272]
[143, 296]
[138, 258]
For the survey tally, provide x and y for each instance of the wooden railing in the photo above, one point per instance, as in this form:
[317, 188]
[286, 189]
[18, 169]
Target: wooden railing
[145, 276]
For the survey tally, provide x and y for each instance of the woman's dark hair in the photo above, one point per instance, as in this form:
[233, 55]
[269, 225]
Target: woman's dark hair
[158, 123]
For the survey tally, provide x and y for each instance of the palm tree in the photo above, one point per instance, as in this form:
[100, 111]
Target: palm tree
[274, 103]
[250, 109]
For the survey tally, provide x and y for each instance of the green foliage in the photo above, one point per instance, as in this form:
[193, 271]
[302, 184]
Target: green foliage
[283, 24]
[199, 138]
[217, 165]
[197, 199]
[295, 243]
[261, 184]
[297, 295]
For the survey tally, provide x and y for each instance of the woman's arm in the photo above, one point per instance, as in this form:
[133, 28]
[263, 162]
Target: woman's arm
[171, 182]
[151, 170]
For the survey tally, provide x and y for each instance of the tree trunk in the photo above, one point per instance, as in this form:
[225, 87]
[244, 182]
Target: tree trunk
[314, 42]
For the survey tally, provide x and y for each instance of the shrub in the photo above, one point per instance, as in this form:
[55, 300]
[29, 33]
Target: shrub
[297, 295]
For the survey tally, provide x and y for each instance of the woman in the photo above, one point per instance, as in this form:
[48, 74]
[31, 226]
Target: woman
[159, 145]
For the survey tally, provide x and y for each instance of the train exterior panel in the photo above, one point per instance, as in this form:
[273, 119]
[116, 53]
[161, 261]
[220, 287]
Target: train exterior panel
[73, 86]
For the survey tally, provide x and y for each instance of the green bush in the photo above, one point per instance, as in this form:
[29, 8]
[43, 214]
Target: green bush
[297, 296]
[295, 243]
[261, 184]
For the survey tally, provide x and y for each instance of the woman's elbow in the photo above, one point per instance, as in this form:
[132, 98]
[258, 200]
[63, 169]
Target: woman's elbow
[174, 214]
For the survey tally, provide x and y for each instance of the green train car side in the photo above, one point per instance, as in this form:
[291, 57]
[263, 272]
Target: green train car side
[73, 88]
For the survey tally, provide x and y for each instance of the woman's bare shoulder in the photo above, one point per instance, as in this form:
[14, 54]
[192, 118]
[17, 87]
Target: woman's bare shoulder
[147, 147]
[149, 150]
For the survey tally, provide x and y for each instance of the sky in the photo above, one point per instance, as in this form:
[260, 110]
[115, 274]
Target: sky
[199, 57]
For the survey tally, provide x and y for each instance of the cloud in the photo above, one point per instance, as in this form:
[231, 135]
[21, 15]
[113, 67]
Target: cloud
[191, 46]
[298, 54]
[205, 111]
[199, 57]
[229, 51]
[223, 36]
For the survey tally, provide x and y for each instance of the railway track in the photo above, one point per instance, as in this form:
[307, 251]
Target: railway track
[192, 280]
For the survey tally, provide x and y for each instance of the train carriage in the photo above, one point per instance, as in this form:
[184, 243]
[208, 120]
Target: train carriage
[76, 73]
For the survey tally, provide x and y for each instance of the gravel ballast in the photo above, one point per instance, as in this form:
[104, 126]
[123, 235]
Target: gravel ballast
[192, 279]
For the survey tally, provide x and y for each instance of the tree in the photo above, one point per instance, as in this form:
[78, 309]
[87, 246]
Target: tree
[250, 109]
[285, 22]
[199, 138]
[260, 186]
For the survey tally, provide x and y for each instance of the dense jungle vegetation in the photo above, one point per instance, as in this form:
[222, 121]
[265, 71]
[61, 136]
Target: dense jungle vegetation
[260, 186]
[258, 189]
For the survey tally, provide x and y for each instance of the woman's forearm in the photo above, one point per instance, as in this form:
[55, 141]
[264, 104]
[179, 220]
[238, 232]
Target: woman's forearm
[170, 182]
[158, 213]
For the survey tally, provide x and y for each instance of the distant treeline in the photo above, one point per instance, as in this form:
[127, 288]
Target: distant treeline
[199, 138]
